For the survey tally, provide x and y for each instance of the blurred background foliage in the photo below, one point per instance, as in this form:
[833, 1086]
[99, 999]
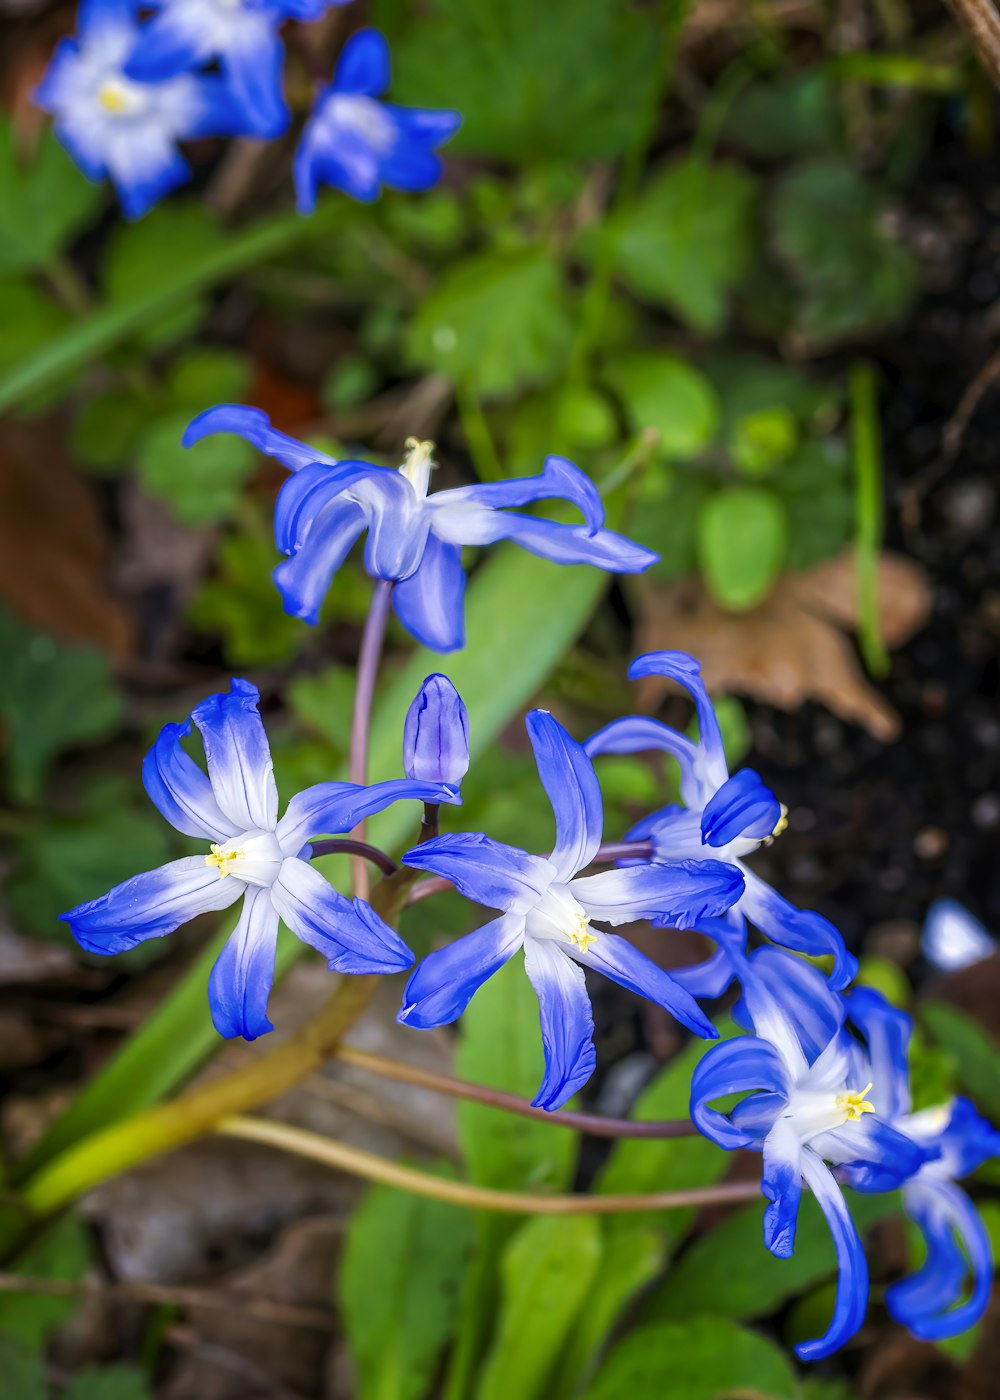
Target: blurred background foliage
[669, 240]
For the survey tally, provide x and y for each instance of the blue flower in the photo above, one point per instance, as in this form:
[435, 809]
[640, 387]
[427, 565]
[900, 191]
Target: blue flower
[436, 734]
[114, 126]
[356, 143]
[413, 538]
[930, 1302]
[724, 817]
[547, 910]
[242, 35]
[808, 1085]
[253, 856]
[952, 939]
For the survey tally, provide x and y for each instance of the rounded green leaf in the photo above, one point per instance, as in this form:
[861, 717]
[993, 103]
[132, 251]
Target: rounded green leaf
[702, 1359]
[201, 484]
[742, 544]
[662, 392]
[761, 440]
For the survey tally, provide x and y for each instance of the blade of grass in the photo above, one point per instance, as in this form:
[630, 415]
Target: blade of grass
[869, 512]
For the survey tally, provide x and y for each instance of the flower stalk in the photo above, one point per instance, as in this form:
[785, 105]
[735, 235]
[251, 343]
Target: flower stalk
[372, 642]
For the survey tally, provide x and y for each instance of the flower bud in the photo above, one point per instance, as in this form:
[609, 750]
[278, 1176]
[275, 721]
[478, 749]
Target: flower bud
[436, 734]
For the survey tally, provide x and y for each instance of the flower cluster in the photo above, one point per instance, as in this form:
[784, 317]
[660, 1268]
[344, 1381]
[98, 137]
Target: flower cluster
[130, 87]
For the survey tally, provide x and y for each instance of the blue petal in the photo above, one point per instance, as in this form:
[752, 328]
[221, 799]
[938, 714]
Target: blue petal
[567, 1022]
[144, 175]
[253, 67]
[968, 1140]
[170, 44]
[431, 602]
[928, 1302]
[636, 733]
[677, 895]
[802, 930]
[776, 979]
[952, 939]
[624, 964]
[150, 905]
[410, 168]
[100, 19]
[709, 979]
[887, 1032]
[180, 790]
[734, 1067]
[436, 734]
[445, 982]
[684, 669]
[781, 1184]
[332, 808]
[238, 756]
[350, 935]
[879, 1156]
[852, 1268]
[571, 786]
[743, 806]
[499, 876]
[567, 544]
[240, 982]
[254, 425]
[559, 478]
[304, 580]
[306, 496]
[398, 525]
[363, 65]
[432, 127]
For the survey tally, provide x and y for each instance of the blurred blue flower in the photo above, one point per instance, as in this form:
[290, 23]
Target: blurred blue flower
[547, 910]
[808, 1085]
[930, 1302]
[253, 856]
[116, 127]
[242, 35]
[724, 817]
[952, 939]
[436, 734]
[357, 143]
[413, 538]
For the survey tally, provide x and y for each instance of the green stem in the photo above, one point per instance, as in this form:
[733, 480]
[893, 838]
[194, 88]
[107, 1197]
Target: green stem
[478, 437]
[869, 510]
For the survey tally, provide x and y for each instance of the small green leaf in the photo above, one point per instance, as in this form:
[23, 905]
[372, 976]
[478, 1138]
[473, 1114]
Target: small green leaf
[762, 439]
[62, 1253]
[207, 374]
[662, 392]
[670, 500]
[52, 698]
[689, 241]
[109, 1383]
[703, 1359]
[786, 117]
[176, 233]
[46, 202]
[351, 381]
[107, 429]
[201, 484]
[547, 1270]
[497, 322]
[742, 544]
[404, 1261]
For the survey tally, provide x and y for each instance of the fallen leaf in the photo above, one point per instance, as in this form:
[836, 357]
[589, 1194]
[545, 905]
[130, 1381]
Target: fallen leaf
[792, 647]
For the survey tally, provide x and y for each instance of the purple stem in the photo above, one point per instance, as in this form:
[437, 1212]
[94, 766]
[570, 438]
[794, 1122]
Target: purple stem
[369, 656]
[344, 846]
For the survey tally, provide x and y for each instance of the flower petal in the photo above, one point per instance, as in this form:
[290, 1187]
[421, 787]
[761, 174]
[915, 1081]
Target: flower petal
[239, 759]
[446, 980]
[363, 65]
[304, 580]
[253, 65]
[742, 806]
[879, 1156]
[305, 496]
[254, 425]
[431, 602]
[571, 786]
[350, 935]
[150, 905]
[887, 1032]
[677, 895]
[636, 733]
[559, 478]
[781, 1184]
[777, 984]
[179, 789]
[240, 982]
[567, 1021]
[563, 544]
[928, 1302]
[852, 1268]
[709, 979]
[499, 876]
[952, 939]
[333, 808]
[436, 734]
[624, 964]
[802, 930]
[679, 666]
[734, 1067]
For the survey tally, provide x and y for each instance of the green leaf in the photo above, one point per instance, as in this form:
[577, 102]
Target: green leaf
[547, 1270]
[829, 227]
[762, 439]
[689, 240]
[533, 82]
[703, 1359]
[666, 518]
[241, 604]
[786, 117]
[107, 429]
[207, 374]
[496, 322]
[28, 319]
[52, 698]
[742, 544]
[729, 1272]
[404, 1261]
[23, 1371]
[201, 484]
[569, 419]
[662, 392]
[976, 1053]
[176, 233]
[45, 202]
[62, 1252]
[109, 1383]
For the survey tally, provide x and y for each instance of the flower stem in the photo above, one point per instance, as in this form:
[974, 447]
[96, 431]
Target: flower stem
[357, 1162]
[344, 846]
[372, 641]
[589, 1123]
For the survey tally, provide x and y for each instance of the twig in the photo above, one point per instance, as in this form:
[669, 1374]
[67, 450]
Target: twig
[344, 846]
[981, 22]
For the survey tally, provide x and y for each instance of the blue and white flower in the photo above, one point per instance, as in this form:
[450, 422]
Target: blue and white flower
[931, 1301]
[548, 911]
[242, 35]
[252, 856]
[436, 734]
[414, 538]
[727, 818]
[116, 127]
[357, 143]
[808, 1107]
[952, 939]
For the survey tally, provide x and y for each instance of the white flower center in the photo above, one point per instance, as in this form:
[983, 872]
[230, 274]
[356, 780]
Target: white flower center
[254, 857]
[815, 1112]
[121, 98]
[418, 465]
[363, 117]
[558, 914]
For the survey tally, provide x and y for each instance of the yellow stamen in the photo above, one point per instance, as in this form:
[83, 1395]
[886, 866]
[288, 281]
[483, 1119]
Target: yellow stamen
[781, 823]
[223, 859]
[580, 936]
[112, 99]
[419, 457]
[855, 1102]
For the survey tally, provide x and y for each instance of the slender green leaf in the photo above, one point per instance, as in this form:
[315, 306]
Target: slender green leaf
[977, 1055]
[62, 1252]
[109, 1383]
[699, 1360]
